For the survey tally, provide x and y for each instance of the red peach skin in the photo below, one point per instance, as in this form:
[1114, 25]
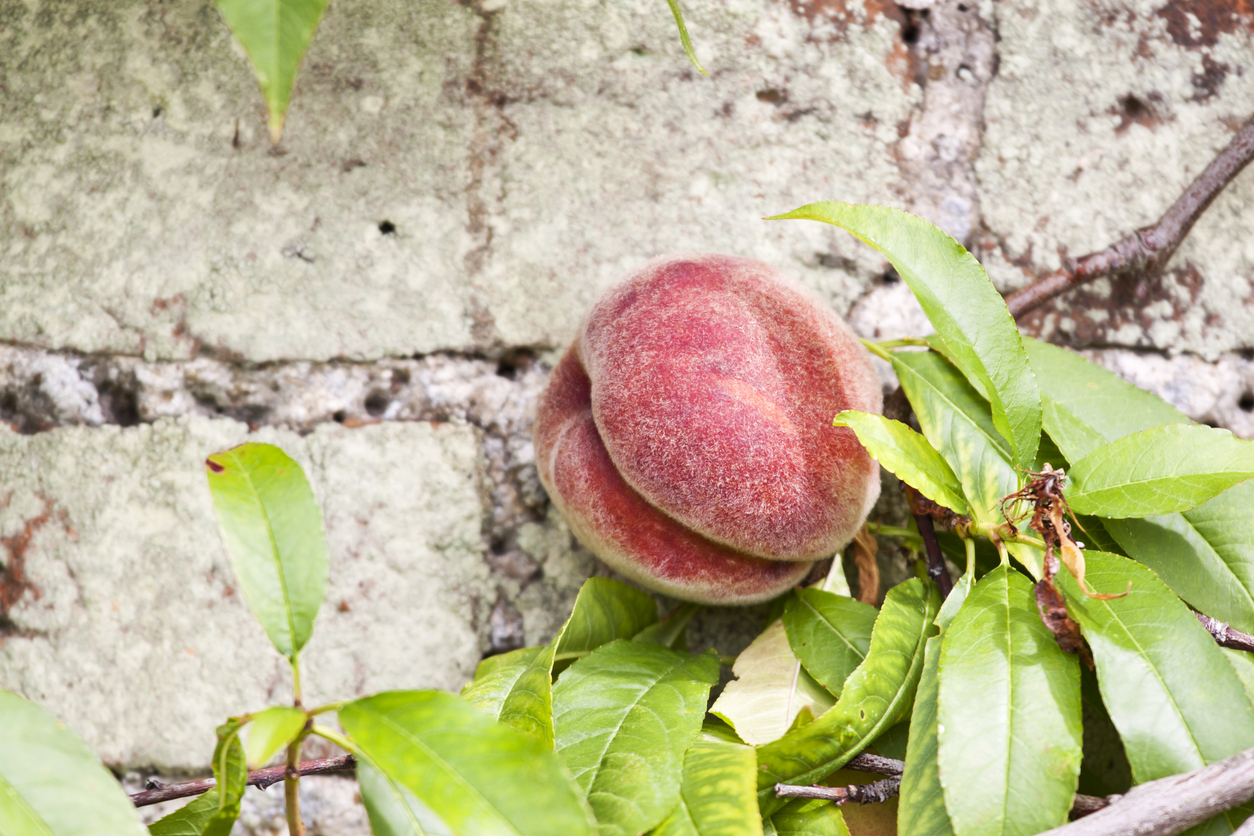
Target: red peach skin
[687, 434]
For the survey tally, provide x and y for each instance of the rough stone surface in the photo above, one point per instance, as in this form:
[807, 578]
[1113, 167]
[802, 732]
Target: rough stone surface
[1100, 115]
[453, 177]
[384, 293]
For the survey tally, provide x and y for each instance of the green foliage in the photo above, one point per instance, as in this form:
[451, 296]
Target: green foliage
[271, 730]
[877, 695]
[972, 323]
[830, 634]
[275, 35]
[908, 456]
[718, 794]
[273, 531]
[605, 728]
[478, 776]
[624, 715]
[771, 690]
[1008, 713]
[683, 36]
[50, 782]
[1159, 471]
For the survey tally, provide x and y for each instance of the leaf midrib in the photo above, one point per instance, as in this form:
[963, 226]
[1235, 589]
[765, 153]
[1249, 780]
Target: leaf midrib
[823, 618]
[957, 410]
[274, 552]
[600, 761]
[20, 802]
[444, 765]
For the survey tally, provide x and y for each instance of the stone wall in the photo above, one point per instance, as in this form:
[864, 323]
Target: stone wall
[383, 293]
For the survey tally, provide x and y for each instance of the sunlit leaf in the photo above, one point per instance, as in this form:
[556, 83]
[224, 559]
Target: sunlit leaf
[50, 782]
[1008, 708]
[1159, 471]
[805, 820]
[271, 730]
[476, 775]
[770, 690]
[970, 318]
[515, 688]
[875, 696]
[908, 456]
[275, 35]
[829, 633]
[623, 716]
[1205, 554]
[273, 532]
[394, 810]
[957, 423]
[718, 795]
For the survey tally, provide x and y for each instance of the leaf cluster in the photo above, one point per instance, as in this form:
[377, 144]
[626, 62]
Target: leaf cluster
[608, 727]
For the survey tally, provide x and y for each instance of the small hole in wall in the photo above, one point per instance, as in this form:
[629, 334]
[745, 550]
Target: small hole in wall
[377, 403]
[1246, 402]
[891, 276]
[1212, 424]
[387, 227]
[770, 96]
[338, 416]
[910, 33]
[962, 7]
[156, 111]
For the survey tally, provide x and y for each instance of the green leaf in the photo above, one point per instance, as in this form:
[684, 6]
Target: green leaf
[770, 689]
[1206, 554]
[604, 610]
[476, 775]
[515, 688]
[1159, 471]
[271, 730]
[683, 37]
[1008, 714]
[623, 717]
[908, 456]
[970, 318]
[213, 814]
[956, 421]
[1161, 674]
[829, 633]
[275, 34]
[393, 809]
[273, 532]
[875, 696]
[671, 631]
[718, 794]
[1085, 406]
[50, 782]
[805, 820]
[921, 811]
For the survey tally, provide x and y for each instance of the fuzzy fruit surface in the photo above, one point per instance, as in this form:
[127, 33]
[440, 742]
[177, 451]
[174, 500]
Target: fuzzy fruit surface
[687, 434]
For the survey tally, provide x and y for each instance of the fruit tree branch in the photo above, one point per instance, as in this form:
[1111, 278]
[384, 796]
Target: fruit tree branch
[260, 778]
[875, 793]
[1151, 247]
[1171, 805]
[1226, 636]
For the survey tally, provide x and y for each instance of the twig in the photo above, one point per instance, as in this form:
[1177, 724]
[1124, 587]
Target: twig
[1082, 806]
[936, 569]
[1226, 636]
[876, 793]
[291, 785]
[1151, 247]
[1171, 805]
[260, 778]
[878, 764]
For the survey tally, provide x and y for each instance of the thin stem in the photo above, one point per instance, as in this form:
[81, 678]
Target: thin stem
[875, 349]
[333, 736]
[329, 707]
[969, 543]
[1149, 248]
[257, 778]
[874, 793]
[936, 569]
[296, 679]
[291, 788]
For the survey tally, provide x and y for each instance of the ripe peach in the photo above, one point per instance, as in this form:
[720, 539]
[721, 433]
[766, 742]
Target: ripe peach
[686, 436]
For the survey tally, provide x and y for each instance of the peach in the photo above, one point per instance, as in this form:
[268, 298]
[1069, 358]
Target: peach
[687, 434]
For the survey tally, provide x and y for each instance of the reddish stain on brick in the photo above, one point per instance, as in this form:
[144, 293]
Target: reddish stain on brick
[13, 581]
[1200, 23]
